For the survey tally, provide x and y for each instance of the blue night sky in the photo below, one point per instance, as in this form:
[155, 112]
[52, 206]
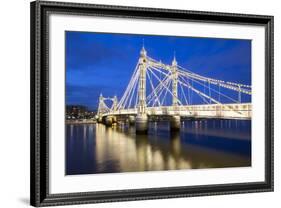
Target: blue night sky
[103, 63]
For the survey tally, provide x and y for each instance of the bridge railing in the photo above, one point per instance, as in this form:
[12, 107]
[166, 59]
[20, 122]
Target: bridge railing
[229, 111]
[243, 111]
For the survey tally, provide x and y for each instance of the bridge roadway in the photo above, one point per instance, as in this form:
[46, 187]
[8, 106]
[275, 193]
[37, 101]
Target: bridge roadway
[223, 111]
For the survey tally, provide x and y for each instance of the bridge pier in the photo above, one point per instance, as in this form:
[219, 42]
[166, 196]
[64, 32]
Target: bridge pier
[141, 124]
[175, 123]
[132, 120]
[99, 119]
[109, 120]
[114, 119]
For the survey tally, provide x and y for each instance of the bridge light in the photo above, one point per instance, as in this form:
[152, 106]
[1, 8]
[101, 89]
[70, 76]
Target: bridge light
[143, 52]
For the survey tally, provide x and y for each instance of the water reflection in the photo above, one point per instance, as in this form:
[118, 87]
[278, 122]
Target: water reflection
[95, 148]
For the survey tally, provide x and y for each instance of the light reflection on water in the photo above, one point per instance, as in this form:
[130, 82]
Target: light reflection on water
[95, 148]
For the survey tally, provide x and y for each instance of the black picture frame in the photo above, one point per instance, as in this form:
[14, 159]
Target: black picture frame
[39, 177]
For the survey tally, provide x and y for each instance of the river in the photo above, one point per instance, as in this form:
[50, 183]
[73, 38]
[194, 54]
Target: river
[209, 143]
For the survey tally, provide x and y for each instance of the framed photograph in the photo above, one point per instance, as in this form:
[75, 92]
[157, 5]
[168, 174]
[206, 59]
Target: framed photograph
[131, 103]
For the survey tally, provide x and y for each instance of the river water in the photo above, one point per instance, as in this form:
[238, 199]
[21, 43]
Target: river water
[210, 143]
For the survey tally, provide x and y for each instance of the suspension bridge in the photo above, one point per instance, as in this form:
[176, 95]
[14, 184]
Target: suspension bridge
[157, 89]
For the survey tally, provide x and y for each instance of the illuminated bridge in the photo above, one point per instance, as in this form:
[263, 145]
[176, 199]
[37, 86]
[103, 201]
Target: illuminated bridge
[157, 89]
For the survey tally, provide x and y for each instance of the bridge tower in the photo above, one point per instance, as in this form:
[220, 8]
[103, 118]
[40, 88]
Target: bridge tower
[101, 105]
[175, 82]
[175, 119]
[142, 119]
[100, 108]
[115, 103]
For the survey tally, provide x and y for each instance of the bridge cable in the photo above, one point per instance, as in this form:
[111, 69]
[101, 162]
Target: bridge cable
[196, 81]
[160, 80]
[153, 89]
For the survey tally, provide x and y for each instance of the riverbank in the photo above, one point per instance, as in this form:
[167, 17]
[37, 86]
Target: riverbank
[84, 121]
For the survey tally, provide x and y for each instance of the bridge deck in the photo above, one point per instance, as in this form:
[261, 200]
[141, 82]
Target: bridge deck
[225, 111]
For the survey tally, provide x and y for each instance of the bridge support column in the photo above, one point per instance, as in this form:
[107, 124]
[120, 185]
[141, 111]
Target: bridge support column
[175, 123]
[175, 82]
[114, 119]
[142, 119]
[175, 120]
[109, 120]
[99, 119]
[132, 120]
[141, 124]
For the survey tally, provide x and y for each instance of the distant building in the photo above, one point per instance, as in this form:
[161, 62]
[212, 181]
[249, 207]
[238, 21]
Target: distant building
[78, 112]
